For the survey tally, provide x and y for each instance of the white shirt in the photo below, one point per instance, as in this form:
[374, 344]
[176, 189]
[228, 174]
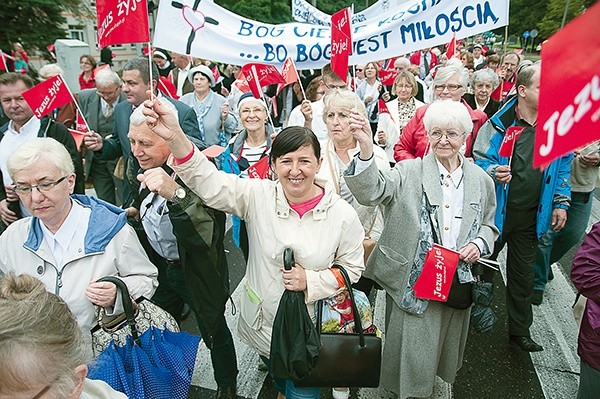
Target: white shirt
[65, 244]
[158, 227]
[453, 195]
[12, 139]
[182, 75]
[104, 104]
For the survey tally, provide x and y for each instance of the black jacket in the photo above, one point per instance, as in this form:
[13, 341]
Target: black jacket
[199, 231]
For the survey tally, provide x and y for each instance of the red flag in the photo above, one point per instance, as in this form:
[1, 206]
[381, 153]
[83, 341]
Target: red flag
[216, 74]
[274, 106]
[2, 61]
[101, 67]
[289, 73]
[166, 87]
[241, 83]
[389, 63]
[568, 109]
[383, 109]
[260, 75]
[451, 48]
[48, 95]
[80, 124]
[341, 43]
[260, 169]
[121, 22]
[387, 76]
[508, 142]
[77, 136]
[436, 277]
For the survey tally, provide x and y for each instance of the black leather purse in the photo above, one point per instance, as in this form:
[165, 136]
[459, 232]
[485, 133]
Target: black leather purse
[345, 360]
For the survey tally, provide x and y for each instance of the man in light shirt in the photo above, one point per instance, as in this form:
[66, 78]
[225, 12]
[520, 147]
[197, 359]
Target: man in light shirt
[180, 73]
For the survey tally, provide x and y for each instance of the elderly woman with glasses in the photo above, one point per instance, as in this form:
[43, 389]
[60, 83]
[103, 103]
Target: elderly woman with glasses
[402, 109]
[449, 84]
[483, 82]
[42, 349]
[455, 206]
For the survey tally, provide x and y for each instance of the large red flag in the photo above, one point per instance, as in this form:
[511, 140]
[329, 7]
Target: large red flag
[568, 109]
[387, 76]
[436, 277]
[289, 73]
[341, 43]
[508, 142]
[122, 22]
[261, 75]
[48, 95]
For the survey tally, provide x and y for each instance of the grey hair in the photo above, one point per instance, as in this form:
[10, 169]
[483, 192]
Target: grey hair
[525, 77]
[444, 74]
[402, 61]
[41, 332]
[485, 75]
[107, 77]
[347, 99]
[137, 117]
[45, 149]
[49, 70]
[444, 113]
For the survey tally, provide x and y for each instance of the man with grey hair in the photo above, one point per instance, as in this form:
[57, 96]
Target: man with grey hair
[185, 241]
[136, 84]
[97, 106]
[70, 241]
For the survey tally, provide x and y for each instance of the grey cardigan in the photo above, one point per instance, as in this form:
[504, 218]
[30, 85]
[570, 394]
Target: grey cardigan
[400, 191]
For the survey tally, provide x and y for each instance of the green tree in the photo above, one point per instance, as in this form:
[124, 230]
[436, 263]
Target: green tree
[35, 23]
[552, 20]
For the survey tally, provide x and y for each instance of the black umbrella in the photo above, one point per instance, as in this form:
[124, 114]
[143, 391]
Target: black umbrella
[295, 343]
[483, 317]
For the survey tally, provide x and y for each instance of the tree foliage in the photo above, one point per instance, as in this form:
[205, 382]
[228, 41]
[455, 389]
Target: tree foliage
[554, 15]
[35, 23]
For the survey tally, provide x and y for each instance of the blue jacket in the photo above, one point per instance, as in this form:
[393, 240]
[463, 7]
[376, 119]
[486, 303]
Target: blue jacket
[106, 220]
[556, 189]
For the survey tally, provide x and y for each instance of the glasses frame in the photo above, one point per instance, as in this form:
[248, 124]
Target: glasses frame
[41, 187]
[447, 134]
[443, 87]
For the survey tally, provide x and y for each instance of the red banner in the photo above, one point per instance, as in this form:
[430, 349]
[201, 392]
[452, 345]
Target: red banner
[341, 43]
[508, 142]
[77, 136]
[569, 105]
[80, 124]
[383, 109]
[122, 21]
[260, 169]
[261, 75]
[451, 48]
[436, 277]
[48, 95]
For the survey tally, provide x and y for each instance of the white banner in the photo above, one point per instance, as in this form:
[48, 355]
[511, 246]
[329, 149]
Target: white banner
[211, 32]
[303, 11]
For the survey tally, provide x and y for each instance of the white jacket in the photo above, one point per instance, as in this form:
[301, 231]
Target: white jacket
[111, 248]
[390, 124]
[330, 233]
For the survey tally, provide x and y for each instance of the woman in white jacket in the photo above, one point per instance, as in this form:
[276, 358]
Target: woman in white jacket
[296, 211]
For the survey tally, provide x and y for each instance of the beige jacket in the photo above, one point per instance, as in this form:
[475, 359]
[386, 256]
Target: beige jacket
[330, 233]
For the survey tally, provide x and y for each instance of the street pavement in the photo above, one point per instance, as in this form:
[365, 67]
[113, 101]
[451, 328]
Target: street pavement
[491, 369]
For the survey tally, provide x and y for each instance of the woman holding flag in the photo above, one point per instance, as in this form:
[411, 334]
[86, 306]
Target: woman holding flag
[456, 204]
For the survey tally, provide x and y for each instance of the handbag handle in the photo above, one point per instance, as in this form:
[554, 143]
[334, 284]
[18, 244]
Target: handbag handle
[357, 321]
[127, 304]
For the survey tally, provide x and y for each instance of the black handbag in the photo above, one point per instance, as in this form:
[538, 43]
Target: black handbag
[345, 360]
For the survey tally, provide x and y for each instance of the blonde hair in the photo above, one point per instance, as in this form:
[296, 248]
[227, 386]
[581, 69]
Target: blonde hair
[342, 99]
[40, 331]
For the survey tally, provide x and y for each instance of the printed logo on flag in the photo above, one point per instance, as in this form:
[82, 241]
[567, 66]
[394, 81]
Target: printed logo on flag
[48, 95]
[435, 280]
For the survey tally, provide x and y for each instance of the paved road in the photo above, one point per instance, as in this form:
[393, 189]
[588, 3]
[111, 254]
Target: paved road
[491, 368]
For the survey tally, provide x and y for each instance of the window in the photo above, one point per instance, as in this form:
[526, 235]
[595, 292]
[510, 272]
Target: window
[76, 32]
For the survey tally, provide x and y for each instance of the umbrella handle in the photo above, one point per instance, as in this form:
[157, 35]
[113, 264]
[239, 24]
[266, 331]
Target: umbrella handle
[127, 304]
[288, 258]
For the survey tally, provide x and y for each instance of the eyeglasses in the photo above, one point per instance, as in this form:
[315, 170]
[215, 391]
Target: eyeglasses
[404, 87]
[42, 392]
[450, 87]
[255, 111]
[342, 86]
[42, 187]
[450, 135]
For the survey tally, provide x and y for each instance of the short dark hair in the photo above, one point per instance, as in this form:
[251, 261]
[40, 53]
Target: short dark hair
[11, 78]
[291, 138]
[142, 65]
[525, 77]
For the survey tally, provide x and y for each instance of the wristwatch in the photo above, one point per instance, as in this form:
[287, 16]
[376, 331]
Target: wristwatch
[179, 195]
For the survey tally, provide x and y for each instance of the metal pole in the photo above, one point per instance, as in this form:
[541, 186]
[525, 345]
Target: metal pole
[564, 20]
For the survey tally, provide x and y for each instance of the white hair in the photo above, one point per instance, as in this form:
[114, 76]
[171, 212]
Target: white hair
[485, 75]
[106, 77]
[445, 73]
[50, 70]
[445, 113]
[37, 149]
[137, 117]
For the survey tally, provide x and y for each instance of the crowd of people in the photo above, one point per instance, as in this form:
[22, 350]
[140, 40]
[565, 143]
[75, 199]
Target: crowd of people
[349, 182]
